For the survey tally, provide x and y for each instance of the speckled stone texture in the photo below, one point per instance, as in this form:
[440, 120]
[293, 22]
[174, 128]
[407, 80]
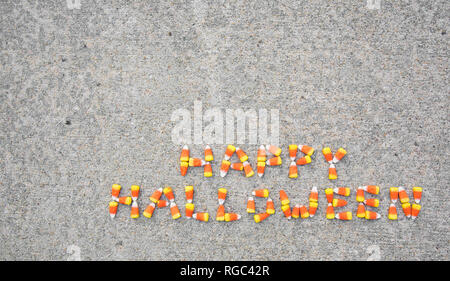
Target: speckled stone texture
[87, 94]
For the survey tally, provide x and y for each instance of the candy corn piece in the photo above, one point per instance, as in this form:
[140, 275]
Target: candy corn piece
[312, 208]
[113, 208]
[370, 215]
[248, 169]
[372, 189]
[261, 156]
[241, 155]
[208, 154]
[232, 217]
[330, 212]
[238, 166]
[174, 211]
[196, 162]
[339, 202]
[169, 193]
[274, 161]
[184, 157]
[189, 191]
[221, 195]
[329, 195]
[134, 210]
[207, 170]
[126, 200]
[332, 173]
[293, 172]
[372, 202]
[293, 148]
[270, 207]
[284, 198]
[314, 195]
[275, 150]
[162, 203]
[220, 216]
[250, 205]
[260, 217]
[156, 195]
[393, 193]
[296, 211]
[304, 160]
[361, 211]
[360, 194]
[392, 213]
[201, 216]
[403, 196]
[407, 209]
[417, 194]
[344, 191]
[286, 211]
[304, 212]
[339, 155]
[261, 193]
[134, 192]
[308, 150]
[415, 210]
[183, 168]
[115, 191]
[229, 152]
[327, 154]
[260, 167]
[345, 216]
[224, 168]
[189, 210]
[148, 212]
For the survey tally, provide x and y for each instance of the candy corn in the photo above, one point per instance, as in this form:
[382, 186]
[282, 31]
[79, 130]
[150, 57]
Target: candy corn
[115, 191]
[296, 211]
[134, 192]
[189, 210]
[332, 173]
[304, 160]
[293, 172]
[393, 193]
[201, 216]
[222, 194]
[308, 150]
[261, 166]
[196, 162]
[261, 193]
[284, 198]
[360, 194]
[250, 205]
[407, 209]
[183, 168]
[220, 216]
[339, 202]
[162, 203]
[372, 189]
[370, 215]
[270, 207]
[403, 196]
[207, 170]
[248, 169]
[372, 202]
[330, 212]
[260, 217]
[345, 216]
[314, 195]
[224, 168]
[229, 152]
[312, 208]
[232, 217]
[184, 157]
[417, 194]
[339, 155]
[327, 154]
[134, 210]
[261, 157]
[241, 155]
[361, 211]
[189, 191]
[113, 208]
[148, 212]
[169, 193]
[286, 211]
[156, 195]
[329, 195]
[274, 161]
[392, 213]
[208, 154]
[275, 150]
[415, 210]
[238, 166]
[175, 212]
[293, 148]
[344, 191]
[126, 200]
[304, 212]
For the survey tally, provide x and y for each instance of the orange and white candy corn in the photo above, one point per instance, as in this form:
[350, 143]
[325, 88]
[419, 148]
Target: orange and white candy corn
[293, 148]
[296, 211]
[417, 194]
[115, 191]
[344, 191]
[189, 191]
[184, 157]
[329, 195]
[162, 203]
[407, 209]
[345, 216]
[270, 207]
[402, 195]
[304, 160]
[232, 217]
[339, 155]
[371, 215]
[207, 170]
[261, 156]
[189, 210]
[134, 210]
[260, 217]
[415, 210]
[372, 189]
[312, 208]
[260, 167]
[148, 212]
[201, 216]
[126, 200]
[229, 152]
[238, 166]
[113, 208]
[393, 193]
[274, 161]
[208, 154]
[392, 213]
[261, 193]
[220, 216]
[332, 173]
[286, 211]
[224, 168]
[327, 154]
[314, 195]
[169, 193]
[134, 192]
[174, 211]
[275, 150]
[293, 171]
[248, 169]
[337, 202]
[284, 198]
[372, 202]
[308, 150]
[221, 195]
[360, 194]
[183, 168]
[361, 211]
[304, 212]
[330, 211]
[250, 205]
[241, 155]
[156, 195]
[196, 162]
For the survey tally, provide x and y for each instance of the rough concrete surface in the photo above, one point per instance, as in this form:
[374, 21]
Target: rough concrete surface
[88, 90]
